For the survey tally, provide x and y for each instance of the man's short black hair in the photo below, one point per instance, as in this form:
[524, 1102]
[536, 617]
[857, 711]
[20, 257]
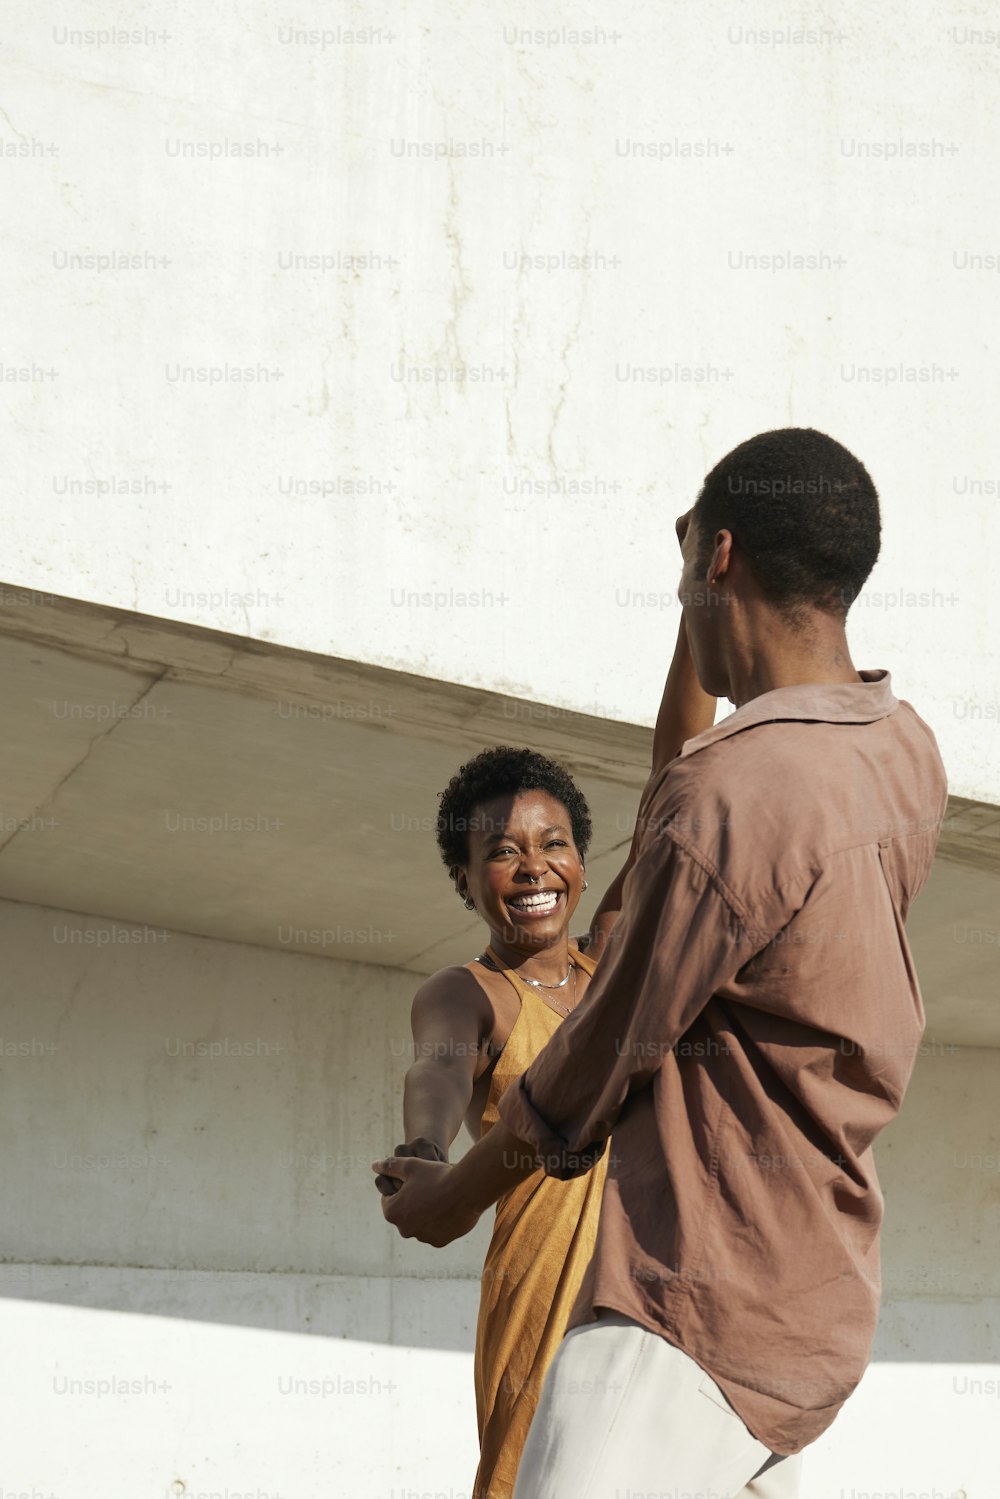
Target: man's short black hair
[503, 771]
[803, 511]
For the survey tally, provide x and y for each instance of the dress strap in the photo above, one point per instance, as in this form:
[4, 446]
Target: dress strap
[584, 961]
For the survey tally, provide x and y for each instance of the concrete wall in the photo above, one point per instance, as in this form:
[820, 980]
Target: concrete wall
[204, 1298]
[552, 281]
[219, 1106]
[426, 321]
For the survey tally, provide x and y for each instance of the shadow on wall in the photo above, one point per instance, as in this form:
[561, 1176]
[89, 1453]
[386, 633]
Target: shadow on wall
[421, 1313]
[430, 1314]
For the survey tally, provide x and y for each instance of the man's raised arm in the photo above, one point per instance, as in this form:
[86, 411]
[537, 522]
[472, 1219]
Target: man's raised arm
[685, 710]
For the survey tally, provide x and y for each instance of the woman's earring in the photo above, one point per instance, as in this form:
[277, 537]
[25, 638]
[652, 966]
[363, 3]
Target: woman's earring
[585, 884]
[470, 905]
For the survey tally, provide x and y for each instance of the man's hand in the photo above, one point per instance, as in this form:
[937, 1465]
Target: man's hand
[423, 1149]
[424, 1204]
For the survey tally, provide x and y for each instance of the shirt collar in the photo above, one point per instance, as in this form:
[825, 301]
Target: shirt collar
[834, 702]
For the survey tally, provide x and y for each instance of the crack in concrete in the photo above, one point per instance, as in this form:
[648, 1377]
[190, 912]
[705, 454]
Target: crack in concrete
[571, 338]
[445, 937]
[458, 294]
[97, 739]
[10, 122]
[101, 86]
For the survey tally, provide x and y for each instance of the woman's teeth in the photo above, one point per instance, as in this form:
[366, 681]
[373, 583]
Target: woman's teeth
[545, 901]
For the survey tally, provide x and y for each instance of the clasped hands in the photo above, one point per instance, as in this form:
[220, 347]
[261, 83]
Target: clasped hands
[419, 1195]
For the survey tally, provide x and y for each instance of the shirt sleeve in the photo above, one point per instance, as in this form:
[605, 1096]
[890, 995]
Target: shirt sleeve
[681, 934]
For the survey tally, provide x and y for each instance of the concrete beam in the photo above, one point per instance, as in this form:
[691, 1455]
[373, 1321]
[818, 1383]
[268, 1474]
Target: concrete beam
[158, 773]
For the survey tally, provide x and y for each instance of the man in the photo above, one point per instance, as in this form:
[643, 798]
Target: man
[752, 1030]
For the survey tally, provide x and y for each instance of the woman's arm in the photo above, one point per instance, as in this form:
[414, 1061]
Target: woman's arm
[685, 710]
[451, 1021]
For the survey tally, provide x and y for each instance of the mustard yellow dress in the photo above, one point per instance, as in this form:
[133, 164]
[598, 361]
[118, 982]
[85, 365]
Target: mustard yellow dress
[543, 1238]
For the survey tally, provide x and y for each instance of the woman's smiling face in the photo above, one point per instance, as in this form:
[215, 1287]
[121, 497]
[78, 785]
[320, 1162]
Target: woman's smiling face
[524, 871]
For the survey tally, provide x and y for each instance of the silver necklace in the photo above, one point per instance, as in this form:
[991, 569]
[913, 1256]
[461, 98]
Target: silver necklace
[560, 1009]
[537, 983]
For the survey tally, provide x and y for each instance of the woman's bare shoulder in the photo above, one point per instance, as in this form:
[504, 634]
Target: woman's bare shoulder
[452, 992]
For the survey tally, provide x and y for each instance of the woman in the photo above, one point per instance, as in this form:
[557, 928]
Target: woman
[514, 829]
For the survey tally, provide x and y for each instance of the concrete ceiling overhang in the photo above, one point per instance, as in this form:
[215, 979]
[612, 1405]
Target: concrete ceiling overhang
[182, 779]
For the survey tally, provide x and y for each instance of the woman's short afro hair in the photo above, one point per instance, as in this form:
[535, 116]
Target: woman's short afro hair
[503, 771]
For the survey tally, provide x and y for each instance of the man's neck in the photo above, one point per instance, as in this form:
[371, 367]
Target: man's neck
[780, 657]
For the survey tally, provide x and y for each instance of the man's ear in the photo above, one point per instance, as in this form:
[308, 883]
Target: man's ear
[721, 554]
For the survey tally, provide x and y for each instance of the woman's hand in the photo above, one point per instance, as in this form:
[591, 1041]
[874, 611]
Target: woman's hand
[423, 1149]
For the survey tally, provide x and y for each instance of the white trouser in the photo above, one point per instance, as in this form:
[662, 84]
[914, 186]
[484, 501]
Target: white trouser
[623, 1414]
